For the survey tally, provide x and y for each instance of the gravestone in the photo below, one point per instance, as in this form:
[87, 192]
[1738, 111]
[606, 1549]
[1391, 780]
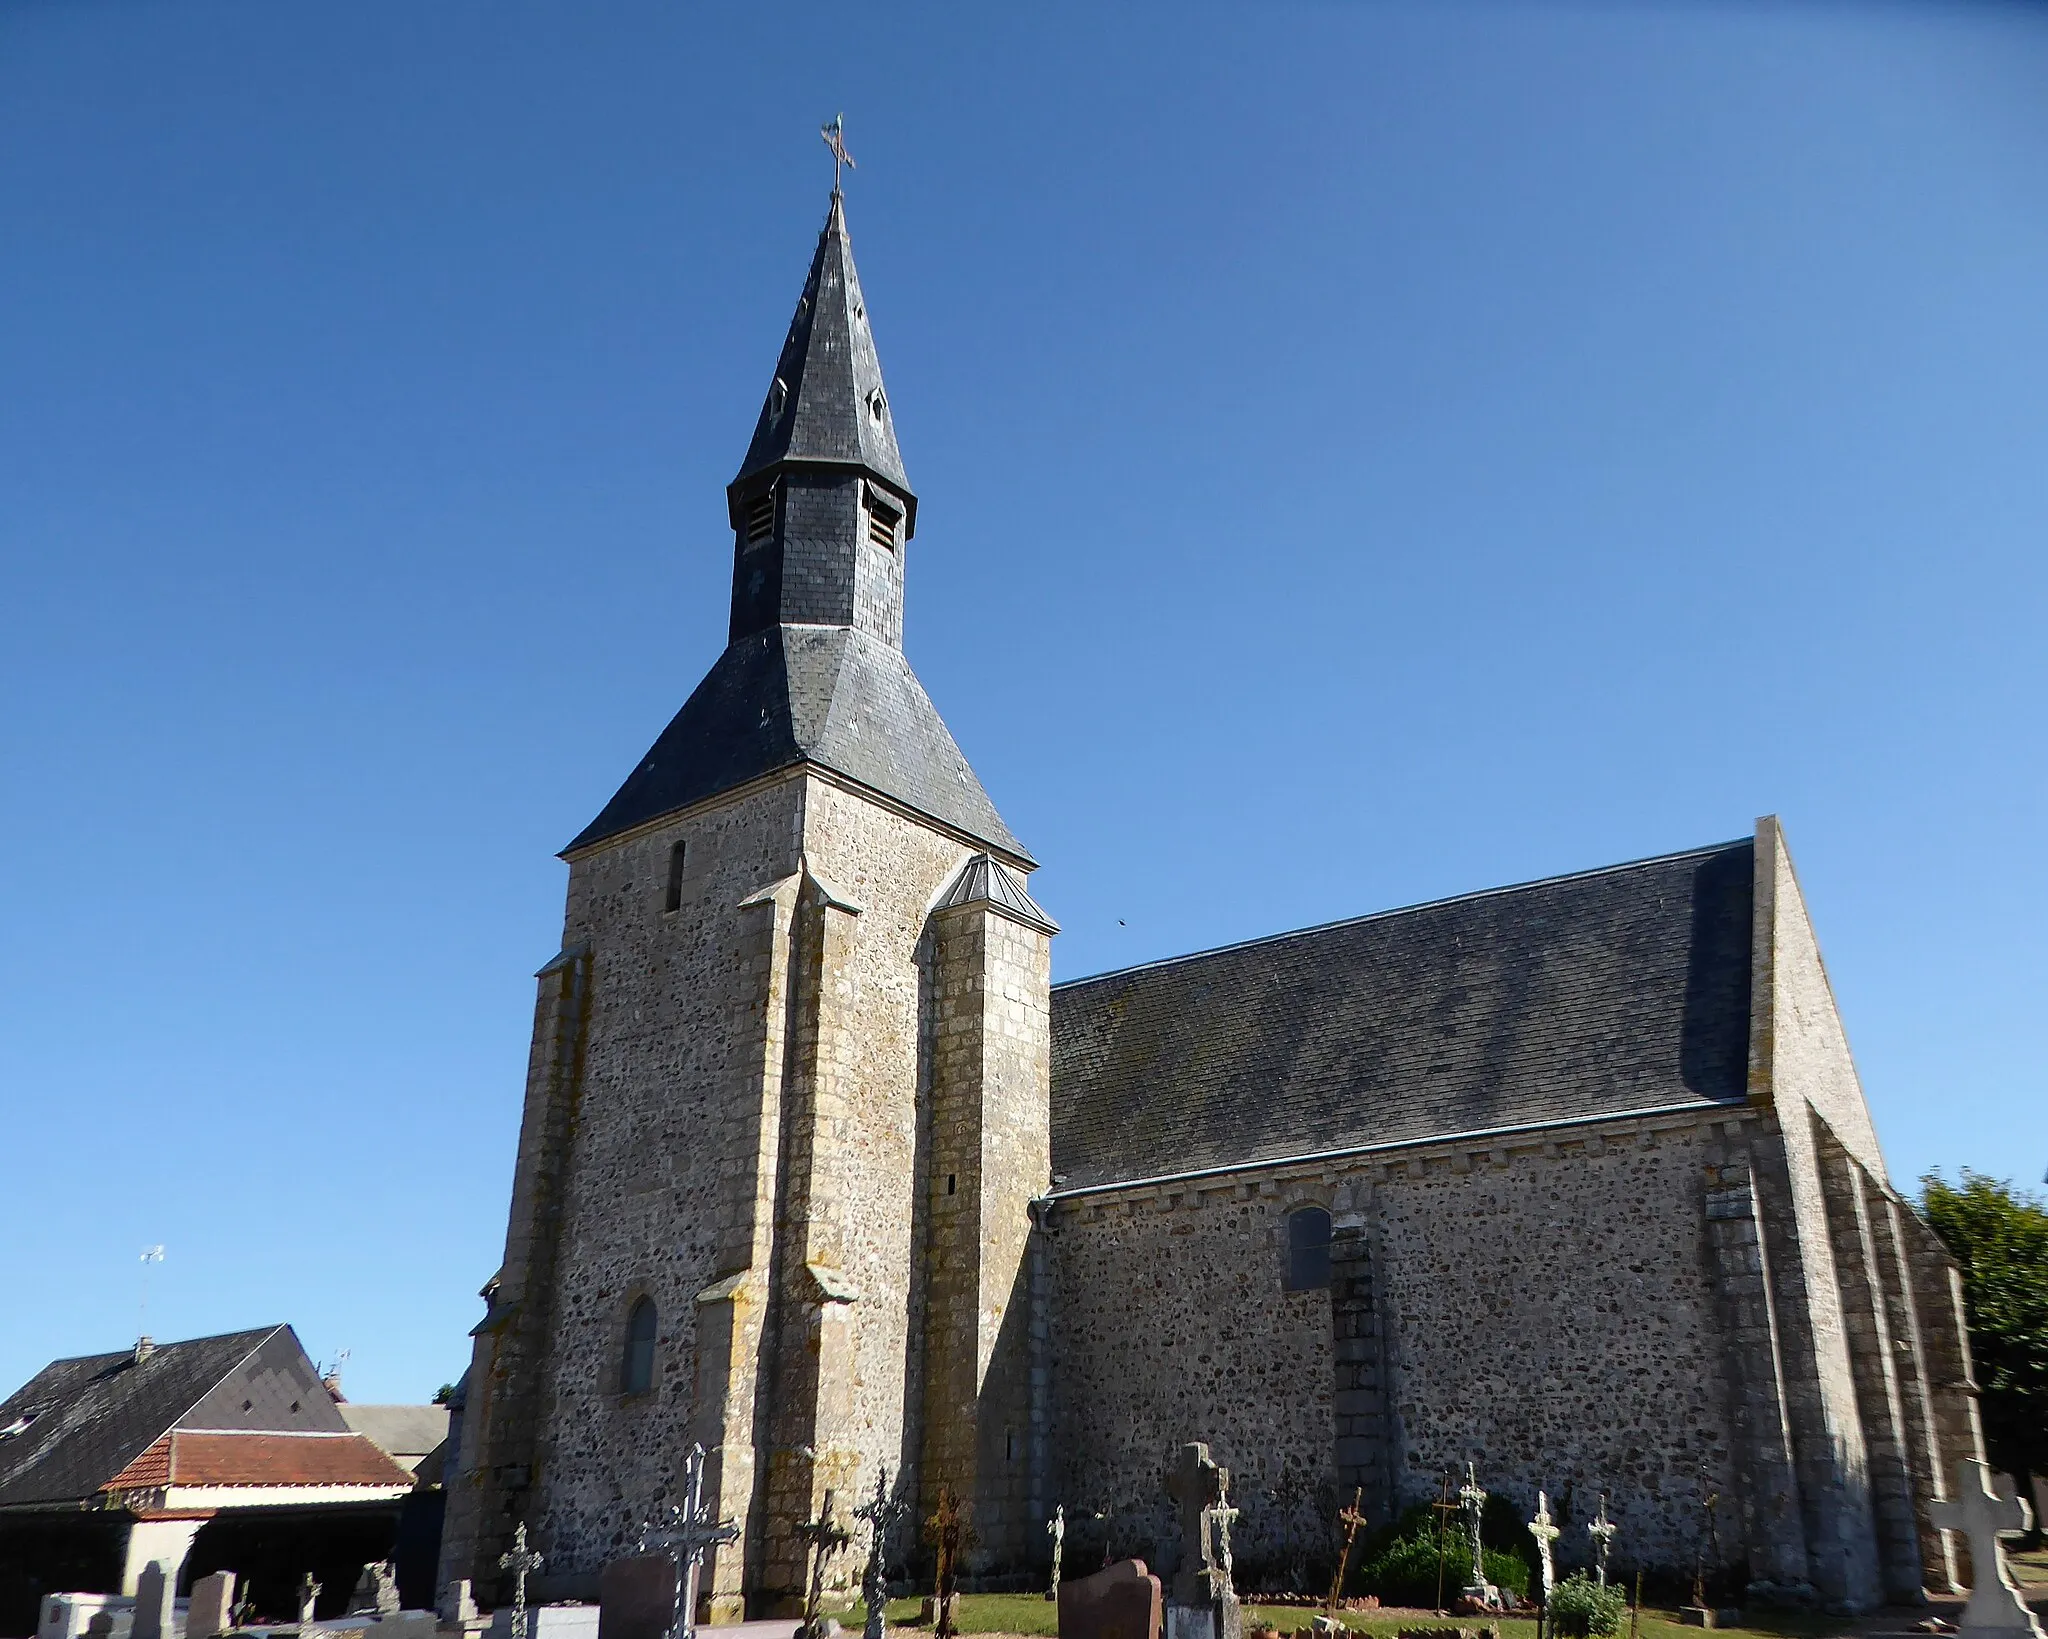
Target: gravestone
[1995, 1610]
[309, 1598]
[376, 1592]
[153, 1594]
[636, 1597]
[212, 1607]
[1121, 1601]
[458, 1606]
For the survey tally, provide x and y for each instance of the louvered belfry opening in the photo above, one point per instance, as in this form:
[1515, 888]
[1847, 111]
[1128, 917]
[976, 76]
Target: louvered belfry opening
[882, 521]
[761, 517]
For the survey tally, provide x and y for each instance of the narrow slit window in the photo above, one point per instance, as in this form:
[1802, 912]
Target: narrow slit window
[882, 522]
[636, 1371]
[1308, 1249]
[672, 898]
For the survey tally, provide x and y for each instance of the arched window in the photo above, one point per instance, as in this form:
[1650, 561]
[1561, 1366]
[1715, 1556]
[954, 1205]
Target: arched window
[1308, 1249]
[636, 1374]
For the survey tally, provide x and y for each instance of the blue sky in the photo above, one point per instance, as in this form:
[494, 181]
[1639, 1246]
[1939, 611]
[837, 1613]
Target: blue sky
[1367, 452]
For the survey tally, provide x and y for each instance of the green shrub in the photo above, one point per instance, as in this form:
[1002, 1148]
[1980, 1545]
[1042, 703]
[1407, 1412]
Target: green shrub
[1580, 1606]
[1404, 1572]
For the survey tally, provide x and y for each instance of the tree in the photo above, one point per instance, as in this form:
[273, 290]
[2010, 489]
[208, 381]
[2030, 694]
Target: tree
[445, 1395]
[2000, 1237]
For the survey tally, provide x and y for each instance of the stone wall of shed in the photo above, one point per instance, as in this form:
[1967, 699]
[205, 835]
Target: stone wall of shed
[1547, 1309]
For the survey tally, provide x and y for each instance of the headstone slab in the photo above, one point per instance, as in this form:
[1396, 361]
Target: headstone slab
[376, 1592]
[1121, 1601]
[212, 1608]
[458, 1604]
[636, 1598]
[153, 1594]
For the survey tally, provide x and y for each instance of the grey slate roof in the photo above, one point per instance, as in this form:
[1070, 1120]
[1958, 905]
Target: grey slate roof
[984, 880]
[1615, 990]
[831, 407]
[828, 695]
[99, 1412]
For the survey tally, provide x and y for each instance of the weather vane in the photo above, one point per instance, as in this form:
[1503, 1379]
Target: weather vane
[835, 139]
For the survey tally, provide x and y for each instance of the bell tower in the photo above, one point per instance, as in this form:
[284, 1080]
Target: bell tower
[787, 1105]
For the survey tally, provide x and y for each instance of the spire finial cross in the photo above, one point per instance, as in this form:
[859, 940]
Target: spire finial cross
[835, 139]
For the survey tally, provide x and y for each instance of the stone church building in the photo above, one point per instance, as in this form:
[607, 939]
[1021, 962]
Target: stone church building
[1572, 1180]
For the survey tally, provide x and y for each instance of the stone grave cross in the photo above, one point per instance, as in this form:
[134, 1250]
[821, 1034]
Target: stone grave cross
[1602, 1532]
[1218, 1520]
[1984, 1516]
[1474, 1501]
[1545, 1531]
[1056, 1528]
[521, 1562]
[1197, 1486]
[1351, 1519]
[880, 1512]
[826, 1537]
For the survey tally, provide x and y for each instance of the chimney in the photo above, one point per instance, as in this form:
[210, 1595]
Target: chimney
[145, 1346]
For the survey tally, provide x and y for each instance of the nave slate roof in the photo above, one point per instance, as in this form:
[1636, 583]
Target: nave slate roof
[1597, 994]
[84, 1421]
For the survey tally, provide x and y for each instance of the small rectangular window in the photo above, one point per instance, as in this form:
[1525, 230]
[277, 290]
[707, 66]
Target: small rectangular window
[761, 517]
[673, 899]
[882, 522]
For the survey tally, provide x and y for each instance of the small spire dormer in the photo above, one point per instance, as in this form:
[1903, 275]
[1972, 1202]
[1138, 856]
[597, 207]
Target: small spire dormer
[822, 510]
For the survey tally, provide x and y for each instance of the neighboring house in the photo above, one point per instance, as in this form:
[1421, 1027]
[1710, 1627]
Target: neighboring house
[409, 1435]
[216, 1452]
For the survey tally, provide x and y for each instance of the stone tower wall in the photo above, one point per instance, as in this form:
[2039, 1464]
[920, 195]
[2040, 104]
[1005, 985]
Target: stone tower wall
[751, 1149]
[990, 1158]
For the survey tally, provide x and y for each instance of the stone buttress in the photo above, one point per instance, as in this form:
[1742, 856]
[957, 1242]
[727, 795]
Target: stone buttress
[788, 1102]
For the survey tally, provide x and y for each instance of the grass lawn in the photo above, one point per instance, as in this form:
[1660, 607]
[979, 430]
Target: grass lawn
[1036, 1617]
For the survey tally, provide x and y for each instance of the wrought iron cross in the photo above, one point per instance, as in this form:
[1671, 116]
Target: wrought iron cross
[521, 1562]
[1351, 1519]
[835, 139]
[881, 1512]
[685, 1535]
[1602, 1532]
[826, 1537]
[1056, 1528]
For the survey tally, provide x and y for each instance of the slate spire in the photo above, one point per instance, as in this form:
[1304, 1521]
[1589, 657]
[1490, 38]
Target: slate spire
[814, 671]
[826, 403]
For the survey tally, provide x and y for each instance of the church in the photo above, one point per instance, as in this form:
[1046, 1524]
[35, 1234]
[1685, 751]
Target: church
[1573, 1181]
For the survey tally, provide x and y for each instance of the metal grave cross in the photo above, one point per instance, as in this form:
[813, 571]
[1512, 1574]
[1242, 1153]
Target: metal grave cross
[1056, 1528]
[826, 1537]
[1351, 1519]
[881, 1512]
[1545, 1531]
[1602, 1532]
[1984, 1516]
[683, 1534]
[522, 1562]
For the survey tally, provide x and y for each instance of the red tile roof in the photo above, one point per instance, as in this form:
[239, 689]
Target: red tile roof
[256, 1458]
